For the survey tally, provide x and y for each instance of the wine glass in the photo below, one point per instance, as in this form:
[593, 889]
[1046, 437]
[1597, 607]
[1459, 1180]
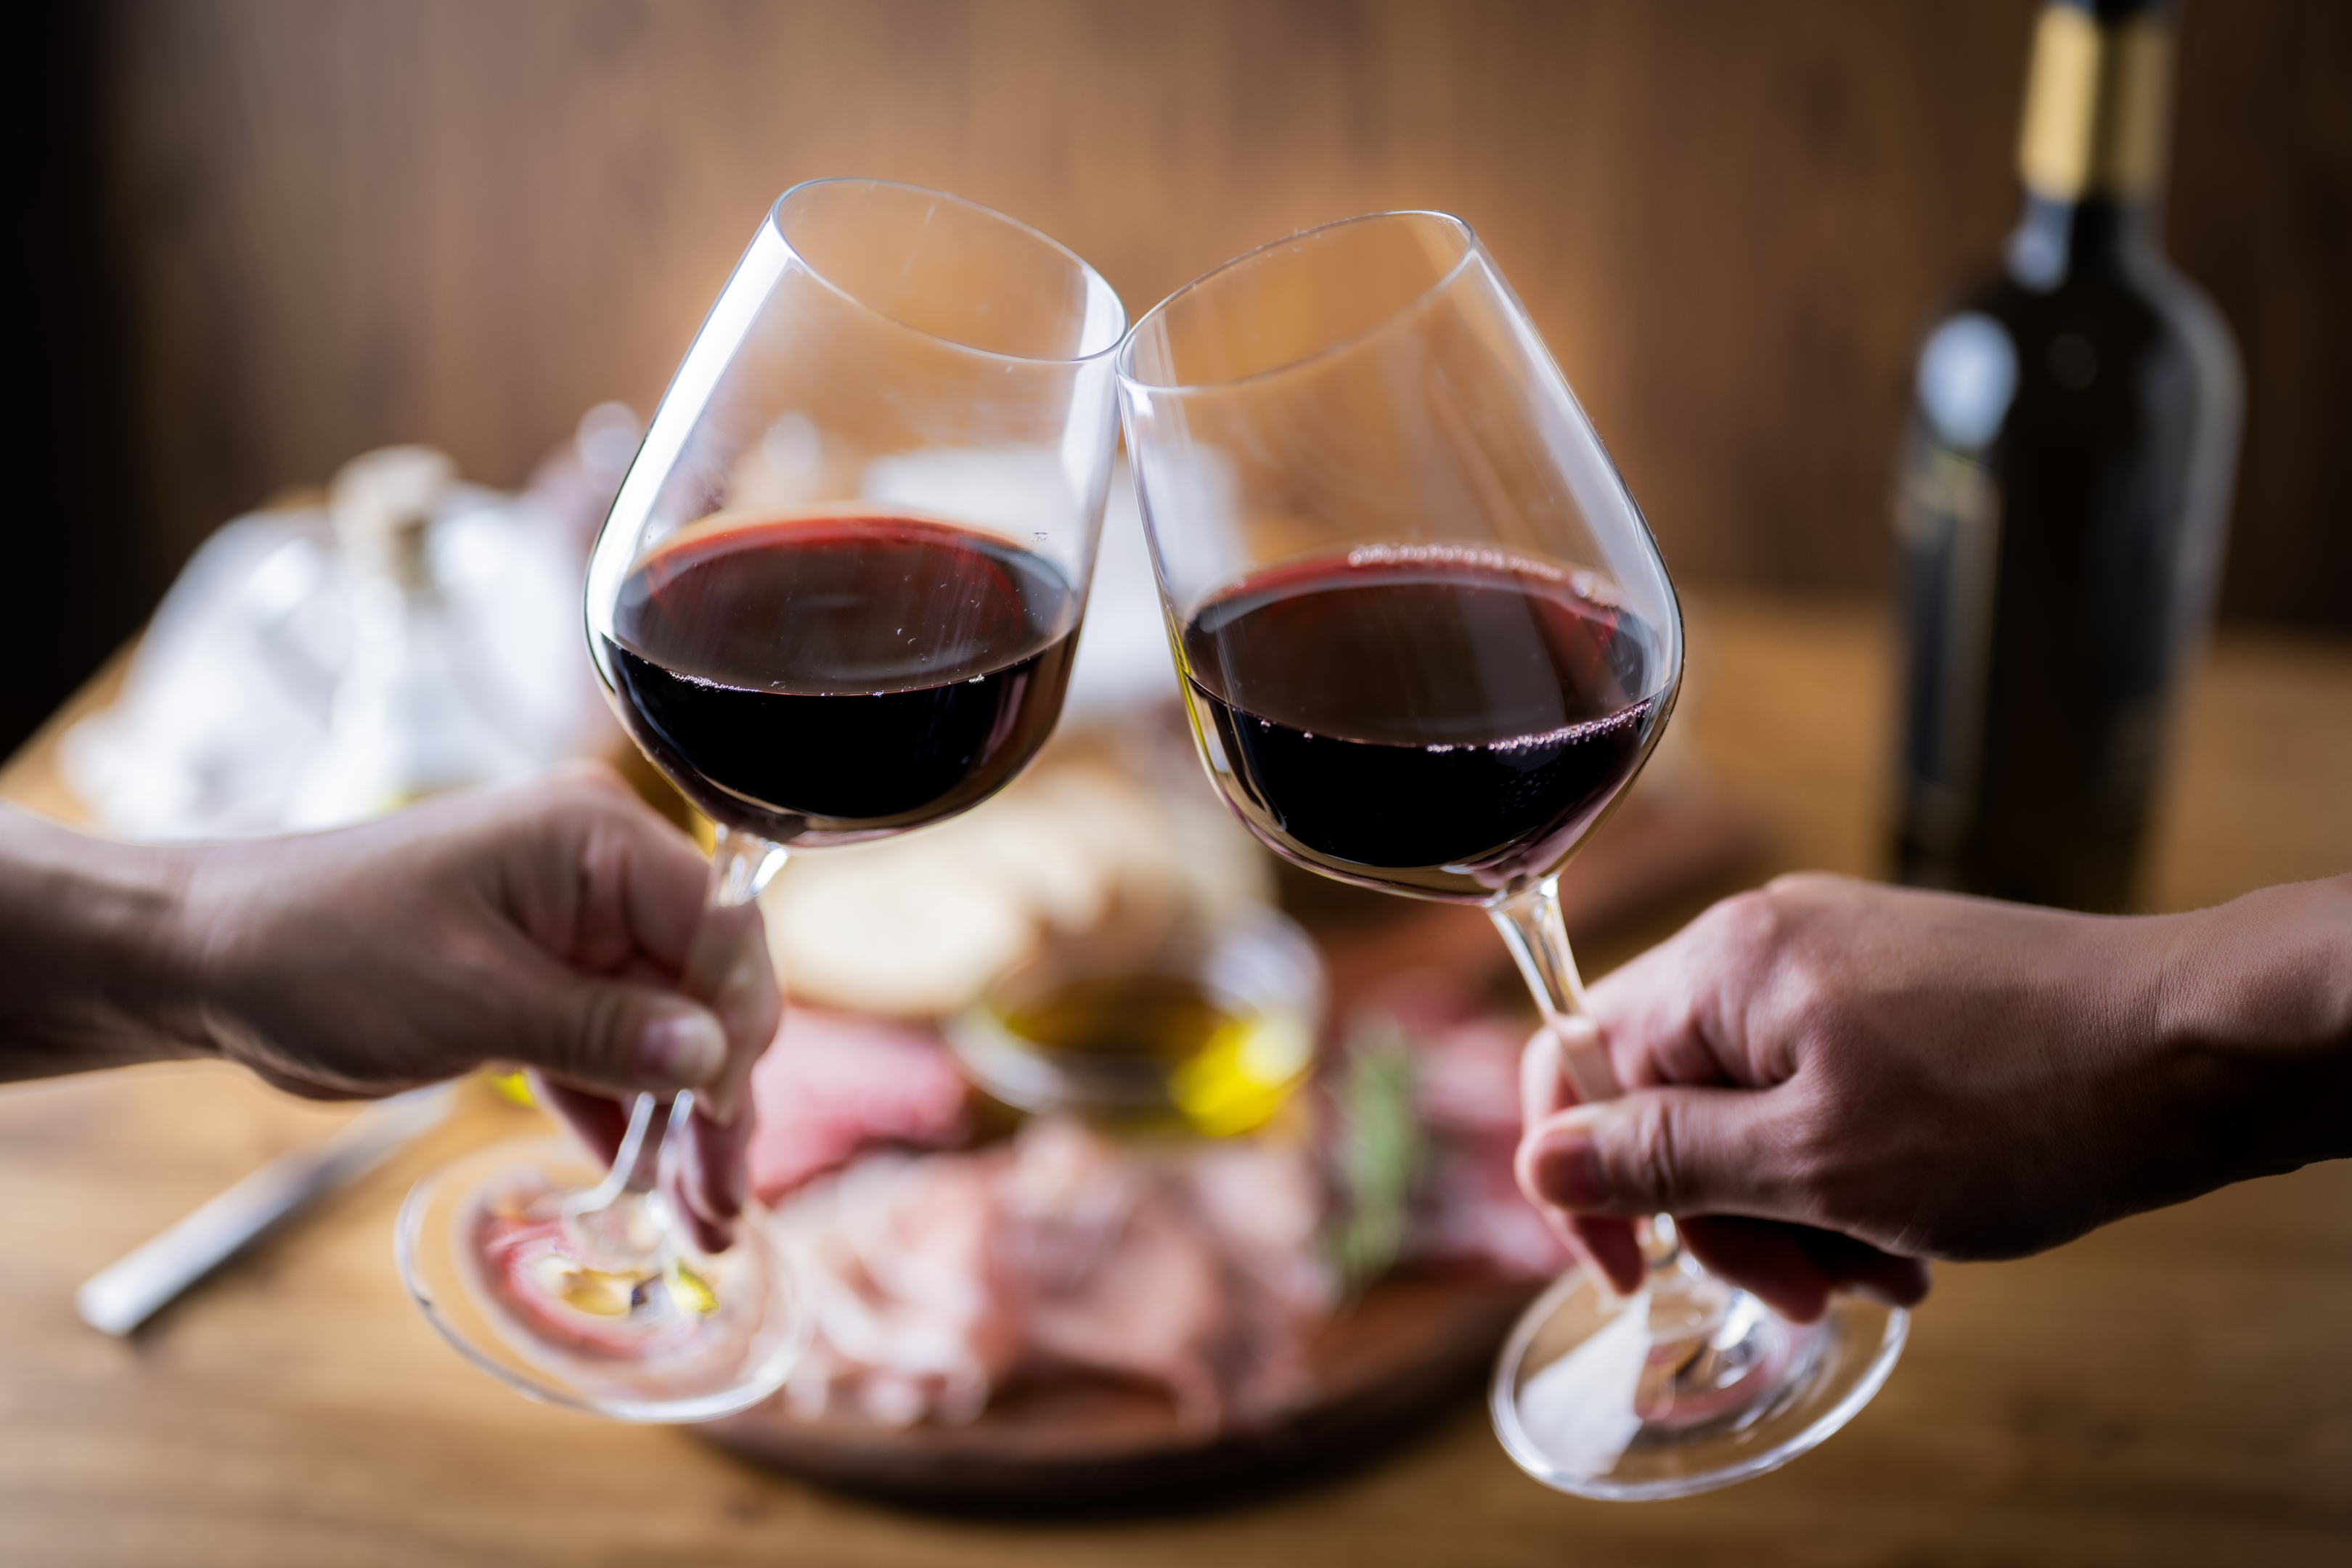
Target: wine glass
[1427, 641]
[835, 599]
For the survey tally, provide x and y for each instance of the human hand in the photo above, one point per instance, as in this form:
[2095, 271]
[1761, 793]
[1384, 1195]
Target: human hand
[1828, 1080]
[543, 923]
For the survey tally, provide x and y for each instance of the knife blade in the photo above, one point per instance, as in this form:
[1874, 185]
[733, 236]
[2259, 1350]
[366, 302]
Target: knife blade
[126, 1293]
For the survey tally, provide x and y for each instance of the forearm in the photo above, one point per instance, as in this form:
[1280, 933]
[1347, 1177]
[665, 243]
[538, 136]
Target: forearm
[2255, 999]
[89, 970]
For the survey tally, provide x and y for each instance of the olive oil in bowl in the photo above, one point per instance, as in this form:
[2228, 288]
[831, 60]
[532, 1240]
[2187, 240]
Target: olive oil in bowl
[1209, 1035]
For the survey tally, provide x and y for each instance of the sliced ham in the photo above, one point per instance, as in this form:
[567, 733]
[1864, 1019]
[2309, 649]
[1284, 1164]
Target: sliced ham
[938, 1278]
[938, 1273]
[835, 1084]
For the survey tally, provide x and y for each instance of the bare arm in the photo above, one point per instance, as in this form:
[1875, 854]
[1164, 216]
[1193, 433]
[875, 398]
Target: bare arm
[89, 968]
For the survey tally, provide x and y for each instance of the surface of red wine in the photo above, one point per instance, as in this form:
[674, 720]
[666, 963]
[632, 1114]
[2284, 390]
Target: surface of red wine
[1434, 719]
[822, 681]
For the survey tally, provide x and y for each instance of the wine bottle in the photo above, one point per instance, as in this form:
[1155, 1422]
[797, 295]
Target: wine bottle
[2066, 481]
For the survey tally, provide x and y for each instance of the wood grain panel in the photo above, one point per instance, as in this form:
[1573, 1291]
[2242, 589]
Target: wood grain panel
[463, 221]
[2262, 215]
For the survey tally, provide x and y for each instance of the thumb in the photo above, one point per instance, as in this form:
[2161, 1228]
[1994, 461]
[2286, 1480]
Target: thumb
[615, 1035]
[1661, 1151]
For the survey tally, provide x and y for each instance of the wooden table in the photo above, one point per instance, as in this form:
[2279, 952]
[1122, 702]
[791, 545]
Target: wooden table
[2175, 1389]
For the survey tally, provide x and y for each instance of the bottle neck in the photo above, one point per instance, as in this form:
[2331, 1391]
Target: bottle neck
[2098, 236]
[2091, 151]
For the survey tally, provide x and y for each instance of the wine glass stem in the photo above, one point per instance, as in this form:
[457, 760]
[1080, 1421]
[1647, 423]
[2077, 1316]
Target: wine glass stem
[1531, 923]
[742, 865]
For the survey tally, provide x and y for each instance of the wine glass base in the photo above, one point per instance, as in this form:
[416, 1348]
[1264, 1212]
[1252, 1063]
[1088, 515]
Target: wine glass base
[1590, 1396]
[482, 1247]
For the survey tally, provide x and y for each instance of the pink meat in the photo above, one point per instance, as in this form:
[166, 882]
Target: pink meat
[1469, 1214]
[833, 1085]
[1466, 1212]
[935, 1278]
[1466, 1080]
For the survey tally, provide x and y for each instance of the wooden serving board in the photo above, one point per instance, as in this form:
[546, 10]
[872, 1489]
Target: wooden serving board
[1385, 1366]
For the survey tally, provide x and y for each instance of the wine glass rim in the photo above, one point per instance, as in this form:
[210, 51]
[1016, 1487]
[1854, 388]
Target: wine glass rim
[1438, 285]
[1085, 268]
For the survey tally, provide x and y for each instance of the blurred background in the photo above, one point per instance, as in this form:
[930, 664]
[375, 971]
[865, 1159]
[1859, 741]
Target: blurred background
[261, 235]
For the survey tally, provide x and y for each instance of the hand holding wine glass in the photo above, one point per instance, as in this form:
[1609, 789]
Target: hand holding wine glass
[1427, 642]
[1867, 1076]
[836, 600]
[542, 923]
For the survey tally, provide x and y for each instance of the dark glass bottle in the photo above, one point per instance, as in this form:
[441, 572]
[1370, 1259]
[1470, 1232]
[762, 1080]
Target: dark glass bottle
[2064, 488]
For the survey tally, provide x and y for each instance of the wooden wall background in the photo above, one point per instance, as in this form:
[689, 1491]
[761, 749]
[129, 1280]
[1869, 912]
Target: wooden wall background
[340, 223]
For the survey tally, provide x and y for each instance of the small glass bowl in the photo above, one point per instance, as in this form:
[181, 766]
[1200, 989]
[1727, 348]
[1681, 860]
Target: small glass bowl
[1207, 1032]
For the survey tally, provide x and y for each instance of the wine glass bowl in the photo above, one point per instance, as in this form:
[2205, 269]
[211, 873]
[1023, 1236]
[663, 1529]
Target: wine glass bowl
[1426, 642]
[837, 594]
[834, 600]
[1425, 638]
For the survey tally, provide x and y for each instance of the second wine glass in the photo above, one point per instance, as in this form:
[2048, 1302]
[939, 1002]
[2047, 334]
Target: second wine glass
[1427, 641]
[836, 600]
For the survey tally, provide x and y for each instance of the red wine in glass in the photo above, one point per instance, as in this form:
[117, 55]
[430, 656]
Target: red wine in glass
[822, 679]
[1439, 719]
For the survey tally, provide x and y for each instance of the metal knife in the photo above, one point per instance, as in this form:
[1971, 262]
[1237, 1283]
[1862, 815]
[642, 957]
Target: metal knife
[121, 1297]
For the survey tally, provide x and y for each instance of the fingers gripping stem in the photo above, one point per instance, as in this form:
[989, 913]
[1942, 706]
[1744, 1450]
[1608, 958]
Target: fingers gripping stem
[741, 866]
